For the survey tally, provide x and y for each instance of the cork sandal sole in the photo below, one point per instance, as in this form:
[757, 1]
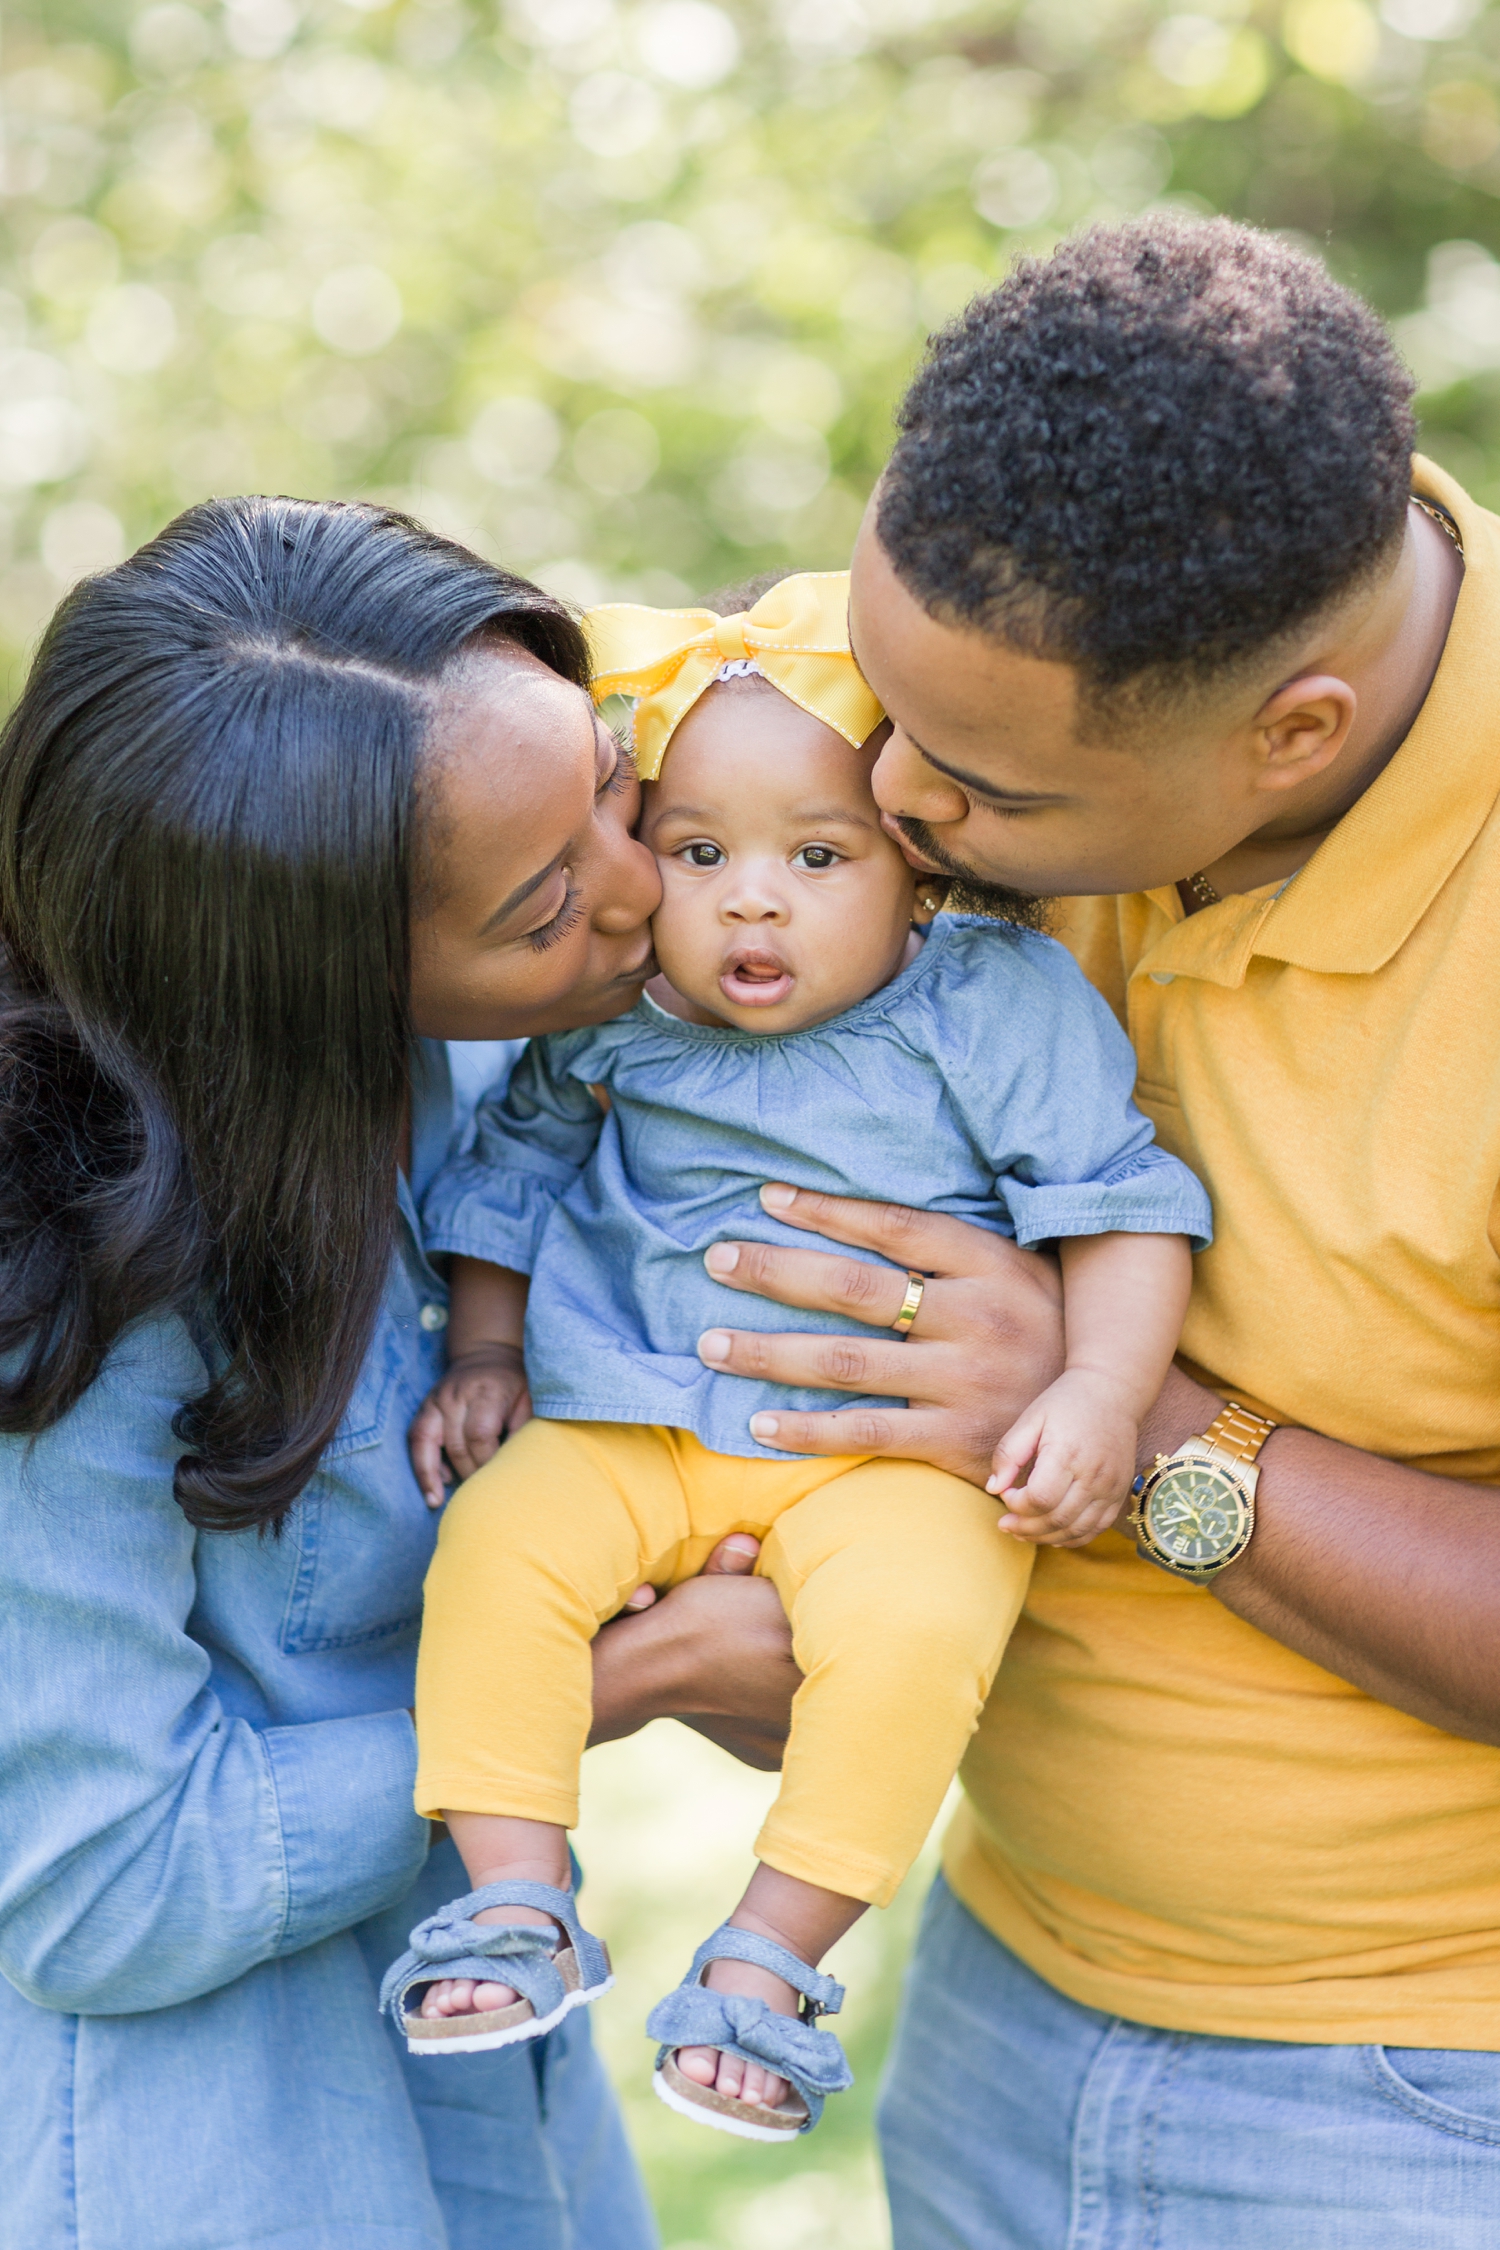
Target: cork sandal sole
[705, 2105]
[477, 2033]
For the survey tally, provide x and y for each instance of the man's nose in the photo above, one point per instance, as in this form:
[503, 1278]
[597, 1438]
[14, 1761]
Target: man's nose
[904, 783]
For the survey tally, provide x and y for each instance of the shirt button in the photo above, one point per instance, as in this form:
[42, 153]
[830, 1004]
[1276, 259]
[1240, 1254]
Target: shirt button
[433, 1317]
[1163, 976]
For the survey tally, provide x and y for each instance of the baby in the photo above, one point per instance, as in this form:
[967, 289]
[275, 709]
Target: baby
[817, 1024]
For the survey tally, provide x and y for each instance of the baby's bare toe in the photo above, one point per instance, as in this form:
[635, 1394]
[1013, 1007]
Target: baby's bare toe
[700, 2064]
[450, 1998]
[491, 1996]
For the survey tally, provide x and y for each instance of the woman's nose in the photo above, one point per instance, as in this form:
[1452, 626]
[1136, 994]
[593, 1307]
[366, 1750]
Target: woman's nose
[632, 892]
[904, 783]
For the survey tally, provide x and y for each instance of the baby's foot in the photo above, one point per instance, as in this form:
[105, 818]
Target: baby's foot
[710, 2066]
[463, 1996]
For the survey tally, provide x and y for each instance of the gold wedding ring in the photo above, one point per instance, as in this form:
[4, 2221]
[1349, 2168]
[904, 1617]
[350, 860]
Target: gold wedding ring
[911, 1303]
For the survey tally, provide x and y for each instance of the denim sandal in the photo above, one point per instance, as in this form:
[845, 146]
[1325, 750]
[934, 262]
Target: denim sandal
[551, 1977]
[811, 2060]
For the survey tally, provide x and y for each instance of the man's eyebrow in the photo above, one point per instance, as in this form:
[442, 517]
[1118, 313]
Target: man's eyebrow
[522, 892]
[982, 788]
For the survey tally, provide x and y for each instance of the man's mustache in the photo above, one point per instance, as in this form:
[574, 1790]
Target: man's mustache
[972, 893]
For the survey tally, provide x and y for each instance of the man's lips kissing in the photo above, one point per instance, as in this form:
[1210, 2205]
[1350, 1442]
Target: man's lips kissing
[752, 977]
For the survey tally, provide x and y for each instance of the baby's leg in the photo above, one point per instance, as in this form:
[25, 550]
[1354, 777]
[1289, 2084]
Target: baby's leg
[536, 1550]
[902, 1593]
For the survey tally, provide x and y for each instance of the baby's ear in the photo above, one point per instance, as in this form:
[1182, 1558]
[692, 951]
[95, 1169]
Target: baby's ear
[932, 892]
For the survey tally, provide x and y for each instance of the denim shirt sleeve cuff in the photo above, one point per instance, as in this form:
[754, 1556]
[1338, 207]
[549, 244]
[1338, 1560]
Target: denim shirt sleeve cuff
[499, 1216]
[351, 1842]
[1141, 1204]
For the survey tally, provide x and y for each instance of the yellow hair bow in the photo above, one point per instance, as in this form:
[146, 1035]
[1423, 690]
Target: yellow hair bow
[797, 635]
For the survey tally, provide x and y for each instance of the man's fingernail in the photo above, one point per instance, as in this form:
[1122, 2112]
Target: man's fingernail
[714, 1345]
[778, 1198]
[722, 1258]
[763, 1426]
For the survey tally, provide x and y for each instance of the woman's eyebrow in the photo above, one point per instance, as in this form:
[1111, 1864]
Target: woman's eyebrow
[522, 892]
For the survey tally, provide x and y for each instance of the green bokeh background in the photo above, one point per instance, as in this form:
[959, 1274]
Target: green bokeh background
[623, 294]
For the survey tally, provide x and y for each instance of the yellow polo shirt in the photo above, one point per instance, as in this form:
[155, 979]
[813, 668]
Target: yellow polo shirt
[1168, 1815]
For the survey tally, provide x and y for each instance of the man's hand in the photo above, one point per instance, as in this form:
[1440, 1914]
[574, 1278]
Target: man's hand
[987, 1340]
[482, 1398]
[715, 1652]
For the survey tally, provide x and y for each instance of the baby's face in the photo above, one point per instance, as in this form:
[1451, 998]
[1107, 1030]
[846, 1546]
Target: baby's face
[784, 901]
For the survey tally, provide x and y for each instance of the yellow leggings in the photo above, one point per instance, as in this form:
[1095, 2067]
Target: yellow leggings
[900, 1589]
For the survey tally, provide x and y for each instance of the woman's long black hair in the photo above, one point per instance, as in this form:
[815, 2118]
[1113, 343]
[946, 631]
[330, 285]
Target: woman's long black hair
[207, 814]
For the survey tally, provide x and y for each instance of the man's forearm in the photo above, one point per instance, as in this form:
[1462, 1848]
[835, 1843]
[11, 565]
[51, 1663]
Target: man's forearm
[1384, 1575]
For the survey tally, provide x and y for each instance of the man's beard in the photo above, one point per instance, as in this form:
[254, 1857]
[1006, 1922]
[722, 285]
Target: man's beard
[969, 893]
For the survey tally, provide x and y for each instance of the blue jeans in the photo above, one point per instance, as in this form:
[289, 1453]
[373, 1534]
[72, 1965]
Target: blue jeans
[1013, 2119]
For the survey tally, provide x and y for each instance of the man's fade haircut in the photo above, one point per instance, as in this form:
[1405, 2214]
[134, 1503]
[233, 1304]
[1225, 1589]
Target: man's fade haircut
[1153, 455]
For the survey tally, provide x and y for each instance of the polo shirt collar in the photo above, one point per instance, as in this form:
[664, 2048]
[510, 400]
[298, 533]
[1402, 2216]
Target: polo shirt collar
[1368, 885]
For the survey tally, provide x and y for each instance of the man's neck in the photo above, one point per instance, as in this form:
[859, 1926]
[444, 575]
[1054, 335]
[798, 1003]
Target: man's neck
[1389, 657]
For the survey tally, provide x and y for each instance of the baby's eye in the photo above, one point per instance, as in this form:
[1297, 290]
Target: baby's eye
[704, 855]
[815, 857]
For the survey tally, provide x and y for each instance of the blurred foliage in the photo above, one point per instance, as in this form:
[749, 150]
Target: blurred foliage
[624, 293]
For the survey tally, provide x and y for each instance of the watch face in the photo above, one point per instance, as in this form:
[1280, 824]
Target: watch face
[1197, 1515]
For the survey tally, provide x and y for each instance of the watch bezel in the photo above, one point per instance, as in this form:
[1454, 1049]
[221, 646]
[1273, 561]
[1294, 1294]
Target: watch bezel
[1238, 1479]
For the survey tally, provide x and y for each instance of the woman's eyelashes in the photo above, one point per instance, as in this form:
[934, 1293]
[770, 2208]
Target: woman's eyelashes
[564, 920]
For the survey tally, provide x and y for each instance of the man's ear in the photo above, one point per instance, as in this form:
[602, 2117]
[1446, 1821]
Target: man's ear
[1300, 730]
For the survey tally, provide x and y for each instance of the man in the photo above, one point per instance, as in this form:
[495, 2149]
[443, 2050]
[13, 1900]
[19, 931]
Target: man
[1169, 624]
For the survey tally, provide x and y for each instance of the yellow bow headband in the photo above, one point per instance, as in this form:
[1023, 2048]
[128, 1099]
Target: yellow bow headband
[797, 635]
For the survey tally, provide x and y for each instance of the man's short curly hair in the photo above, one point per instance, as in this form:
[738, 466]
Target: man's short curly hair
[1153, 454]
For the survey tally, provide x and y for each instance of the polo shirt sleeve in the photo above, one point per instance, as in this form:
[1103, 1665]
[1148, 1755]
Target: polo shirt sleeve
[1073, 1155]
[155, 1846]
[531, 1141]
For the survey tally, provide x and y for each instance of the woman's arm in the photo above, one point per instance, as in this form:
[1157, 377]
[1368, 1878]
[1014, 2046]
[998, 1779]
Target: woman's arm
[1388, 1577]
[715, 1652]
[153, 1847]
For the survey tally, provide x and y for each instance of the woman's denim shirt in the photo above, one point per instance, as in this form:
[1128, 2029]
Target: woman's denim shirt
[206, 1766]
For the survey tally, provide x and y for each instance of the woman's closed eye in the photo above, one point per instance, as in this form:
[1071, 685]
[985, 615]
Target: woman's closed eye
[547, 933]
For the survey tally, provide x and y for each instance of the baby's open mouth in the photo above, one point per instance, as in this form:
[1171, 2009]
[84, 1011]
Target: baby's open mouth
[753, 978]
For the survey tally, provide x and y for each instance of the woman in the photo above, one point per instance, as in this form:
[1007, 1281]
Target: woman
[291, 798]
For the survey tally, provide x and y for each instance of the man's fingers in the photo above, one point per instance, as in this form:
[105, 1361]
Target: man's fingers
[928, 1240]
[734, 1557]
[896, 1431]
[813, 1280]
[815, 1363]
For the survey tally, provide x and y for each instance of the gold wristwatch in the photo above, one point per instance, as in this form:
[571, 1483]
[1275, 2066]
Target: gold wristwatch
[1194, 1513]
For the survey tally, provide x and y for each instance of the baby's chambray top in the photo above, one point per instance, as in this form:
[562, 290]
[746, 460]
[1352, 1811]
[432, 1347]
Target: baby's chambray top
[987, 1080]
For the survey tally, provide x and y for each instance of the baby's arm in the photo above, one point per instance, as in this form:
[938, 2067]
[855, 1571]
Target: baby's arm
[483, 1395]
[1124, 1300]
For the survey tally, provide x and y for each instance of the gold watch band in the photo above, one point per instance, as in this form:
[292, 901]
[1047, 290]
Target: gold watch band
[1238, 1433]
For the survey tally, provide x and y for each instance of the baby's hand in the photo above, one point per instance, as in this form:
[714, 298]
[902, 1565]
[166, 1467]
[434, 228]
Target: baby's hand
[482, 1397]
[1078, 1441]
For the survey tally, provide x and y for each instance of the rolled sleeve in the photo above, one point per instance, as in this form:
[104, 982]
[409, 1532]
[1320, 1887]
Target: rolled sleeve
[156, 1847]
[1162, 1197]
[348, 1839]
